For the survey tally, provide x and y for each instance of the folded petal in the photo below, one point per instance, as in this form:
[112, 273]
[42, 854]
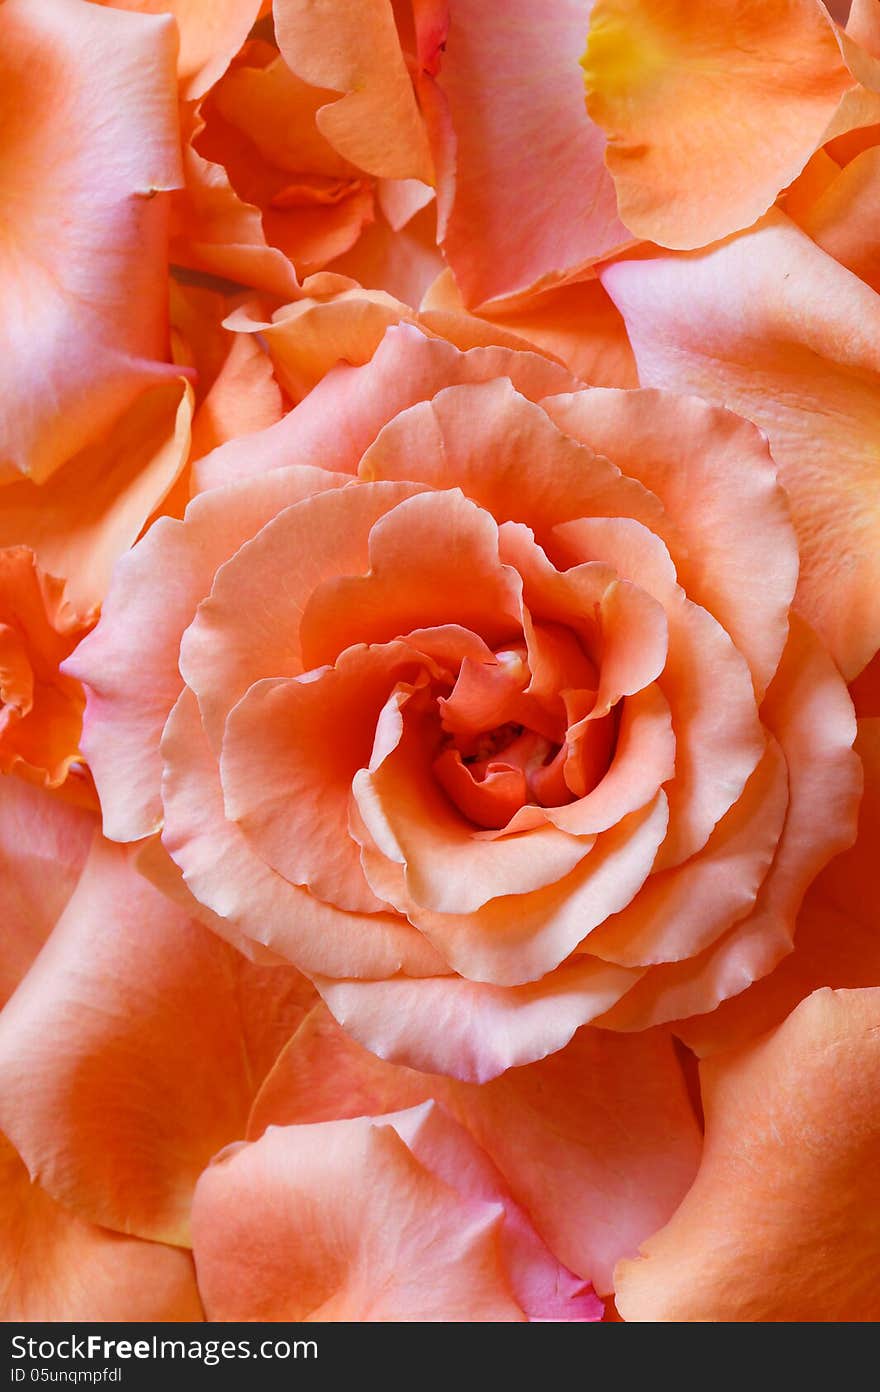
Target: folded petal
[808, 710]
[738, 561]
[576, 325]
[597, 1143]
[211, 33]
[781, 1223]
[836, 941]
[244, 897]
[355, 50]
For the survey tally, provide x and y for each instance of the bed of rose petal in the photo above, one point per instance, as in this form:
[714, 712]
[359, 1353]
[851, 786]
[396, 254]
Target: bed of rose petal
[439, 711]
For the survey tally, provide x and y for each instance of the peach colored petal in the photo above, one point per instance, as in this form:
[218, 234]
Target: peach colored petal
[341, 1222]
[290, 751]
[769, 325]
[514, 939]
[863, 25]
[739, 562]
[309, 217]
[43, 846]
[681, 911]
[211, 33]
[490, 800]
[530, 198]
[540, 476]
[40, 708]
[232, 883]
[477, 1031]
[213, 230]
[276, 110]
[808, 710]
[322, 1074]
[781, 1223]
[576, 325]
[836, 941]
[82, 266]
[433, 560]
[58, 1268]
[843, 221]
[643, 760]
[156, 589]
[597, 1143]
[165, 1033]
[709, 114]
[245, 398]
[355, 51]
[705, 680]
[342, 416]
[249, 625]
[92, 509]
[543, 1288]
[402, 260]
[307, 338]
[818, 174]
[151, 860]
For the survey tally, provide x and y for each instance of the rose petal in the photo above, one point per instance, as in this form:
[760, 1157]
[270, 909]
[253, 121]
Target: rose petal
[770, 326]
[355, 50]
[477, 1031]
[83, 259]
[232, 882]
[59, 1268]
[836, 941]
[167, 1033]
[43, 846]
[738, 562]
[156, 589]
[780, 1224]
[680, 912]
[511, 80]
[93, 508]
[282, 1232]
[708, 116]
[598, 1143]
[706, 681]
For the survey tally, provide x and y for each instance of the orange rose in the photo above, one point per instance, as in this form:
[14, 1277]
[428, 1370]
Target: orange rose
[487, 680]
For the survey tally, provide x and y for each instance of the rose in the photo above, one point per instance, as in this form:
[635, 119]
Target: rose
[466, 697]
